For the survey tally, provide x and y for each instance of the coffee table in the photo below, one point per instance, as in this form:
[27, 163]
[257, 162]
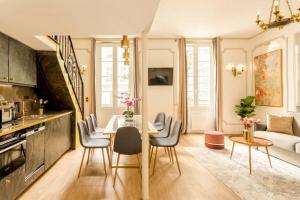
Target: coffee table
[257, 142]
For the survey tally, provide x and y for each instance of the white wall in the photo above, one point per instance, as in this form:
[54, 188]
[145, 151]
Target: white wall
[163, 53]
[236, 88]
[233, 88]
[84, 53]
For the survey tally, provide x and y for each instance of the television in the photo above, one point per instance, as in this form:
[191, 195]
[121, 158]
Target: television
[160, 76]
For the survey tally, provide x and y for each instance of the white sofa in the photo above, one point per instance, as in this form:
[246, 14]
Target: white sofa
[286, 147]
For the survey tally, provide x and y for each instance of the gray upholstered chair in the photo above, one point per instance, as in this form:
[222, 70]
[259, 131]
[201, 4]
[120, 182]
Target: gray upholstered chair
[165, 132]
[127, 142]
[95, 124]
[170, 143]
[89, 143]
[93, 130]
[159, 121]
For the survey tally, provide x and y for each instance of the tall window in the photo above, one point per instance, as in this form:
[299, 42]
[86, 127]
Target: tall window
[115, 75]
[198, 74]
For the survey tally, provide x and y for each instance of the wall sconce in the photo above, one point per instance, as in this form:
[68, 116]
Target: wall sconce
[236, 69]
[82, 69]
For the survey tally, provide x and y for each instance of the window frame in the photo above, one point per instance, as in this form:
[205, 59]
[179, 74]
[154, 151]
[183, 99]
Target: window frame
[115, 62]
[196, 78]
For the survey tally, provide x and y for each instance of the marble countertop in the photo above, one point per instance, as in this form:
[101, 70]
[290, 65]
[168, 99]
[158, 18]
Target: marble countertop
[28, 121]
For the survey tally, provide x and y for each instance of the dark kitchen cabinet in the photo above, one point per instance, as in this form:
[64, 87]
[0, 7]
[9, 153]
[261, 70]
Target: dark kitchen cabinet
[22, 63]
[57, 139]
[35, 148]
[12, 185]
[3, 58]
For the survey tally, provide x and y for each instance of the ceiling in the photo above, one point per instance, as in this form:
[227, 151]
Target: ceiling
[27, 18]
[24, 20]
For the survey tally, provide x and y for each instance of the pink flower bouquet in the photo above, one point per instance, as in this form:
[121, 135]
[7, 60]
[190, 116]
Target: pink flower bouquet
[129, 102]
[249, 122]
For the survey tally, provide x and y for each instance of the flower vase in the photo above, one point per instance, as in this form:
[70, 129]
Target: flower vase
[248, 134]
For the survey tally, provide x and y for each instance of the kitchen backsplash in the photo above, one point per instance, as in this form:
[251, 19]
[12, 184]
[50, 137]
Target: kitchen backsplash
[16, 93]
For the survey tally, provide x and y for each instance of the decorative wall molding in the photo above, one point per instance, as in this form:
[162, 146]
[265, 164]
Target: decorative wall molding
[223, 52]
[285, 53]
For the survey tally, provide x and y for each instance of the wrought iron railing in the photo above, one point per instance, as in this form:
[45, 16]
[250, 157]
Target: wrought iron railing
[67, 53]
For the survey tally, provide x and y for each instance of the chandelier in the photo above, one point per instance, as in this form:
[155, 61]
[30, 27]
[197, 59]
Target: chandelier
[279, 21]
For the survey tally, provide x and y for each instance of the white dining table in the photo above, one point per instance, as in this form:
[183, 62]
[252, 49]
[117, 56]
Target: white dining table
[118, 121]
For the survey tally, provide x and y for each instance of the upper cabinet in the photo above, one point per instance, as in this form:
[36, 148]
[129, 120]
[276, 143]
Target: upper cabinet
[17, 62]
[3, 58]
[22, 63]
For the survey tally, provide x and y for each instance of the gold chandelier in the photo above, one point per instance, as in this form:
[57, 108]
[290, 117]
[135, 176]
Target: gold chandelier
[279, 20]
[125, 46]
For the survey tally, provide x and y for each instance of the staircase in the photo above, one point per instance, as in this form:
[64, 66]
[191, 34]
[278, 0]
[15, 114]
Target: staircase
[66, 51]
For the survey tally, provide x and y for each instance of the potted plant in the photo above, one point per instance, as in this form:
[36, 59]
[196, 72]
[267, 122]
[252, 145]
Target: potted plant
[129, 102]
[246, 111]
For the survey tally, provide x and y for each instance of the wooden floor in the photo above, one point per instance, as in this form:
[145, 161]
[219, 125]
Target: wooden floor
[61, 183]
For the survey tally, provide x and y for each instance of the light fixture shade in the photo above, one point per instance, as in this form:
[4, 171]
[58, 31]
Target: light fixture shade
[126, 53]
[125, 42]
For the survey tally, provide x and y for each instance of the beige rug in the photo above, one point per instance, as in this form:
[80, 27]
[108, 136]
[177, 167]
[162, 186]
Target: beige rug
[282, 182]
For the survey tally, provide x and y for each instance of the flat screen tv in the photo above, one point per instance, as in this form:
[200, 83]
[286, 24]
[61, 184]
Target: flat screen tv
[160, 76]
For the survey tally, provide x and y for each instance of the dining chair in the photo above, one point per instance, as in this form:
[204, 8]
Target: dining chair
[95, 123]
[93, 131]
[165, 132]
[89, 144]
[159, 121]
[127, 142]
[170, 142]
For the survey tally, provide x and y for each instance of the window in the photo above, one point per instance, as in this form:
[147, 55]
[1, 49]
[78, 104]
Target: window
[114, 75]
[198, 74]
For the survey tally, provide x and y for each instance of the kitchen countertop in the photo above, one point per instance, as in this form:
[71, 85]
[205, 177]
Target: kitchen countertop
[28, 121]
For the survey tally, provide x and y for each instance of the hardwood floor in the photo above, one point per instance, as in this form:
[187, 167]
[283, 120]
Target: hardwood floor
[61, 183]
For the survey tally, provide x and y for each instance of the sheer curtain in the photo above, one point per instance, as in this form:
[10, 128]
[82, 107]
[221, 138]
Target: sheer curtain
[182, 105]
[218, 89]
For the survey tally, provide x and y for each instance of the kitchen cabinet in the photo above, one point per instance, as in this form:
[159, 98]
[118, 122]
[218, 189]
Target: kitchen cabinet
[13, 184]
[22, 63]
[35, 148]
[57, 139]
[3, 58]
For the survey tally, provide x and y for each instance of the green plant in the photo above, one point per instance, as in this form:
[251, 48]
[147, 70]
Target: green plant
[245, 108]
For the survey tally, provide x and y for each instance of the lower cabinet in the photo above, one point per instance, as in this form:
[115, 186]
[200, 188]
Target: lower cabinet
[57, 139]
[12, 185]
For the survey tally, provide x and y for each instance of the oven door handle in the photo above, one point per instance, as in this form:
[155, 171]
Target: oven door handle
[12, 146]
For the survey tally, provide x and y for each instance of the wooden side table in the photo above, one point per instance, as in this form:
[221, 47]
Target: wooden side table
[257, 142]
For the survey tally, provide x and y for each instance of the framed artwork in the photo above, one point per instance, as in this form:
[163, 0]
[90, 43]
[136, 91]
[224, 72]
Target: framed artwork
[268, 79]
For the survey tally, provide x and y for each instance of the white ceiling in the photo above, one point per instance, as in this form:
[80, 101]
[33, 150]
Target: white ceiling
[84, 18]
[26, 18]
[209, 18]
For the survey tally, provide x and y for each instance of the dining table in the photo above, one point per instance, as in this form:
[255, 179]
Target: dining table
[119, 121]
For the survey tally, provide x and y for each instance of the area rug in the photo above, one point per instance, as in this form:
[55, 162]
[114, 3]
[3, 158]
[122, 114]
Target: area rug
[282, 182]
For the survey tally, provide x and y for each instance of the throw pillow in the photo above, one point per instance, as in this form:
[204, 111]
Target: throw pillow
[281, 124]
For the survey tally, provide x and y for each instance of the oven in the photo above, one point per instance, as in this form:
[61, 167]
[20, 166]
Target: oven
[12, 153]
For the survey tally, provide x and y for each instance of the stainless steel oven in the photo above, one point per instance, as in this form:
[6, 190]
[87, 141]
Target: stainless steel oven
[12, 153]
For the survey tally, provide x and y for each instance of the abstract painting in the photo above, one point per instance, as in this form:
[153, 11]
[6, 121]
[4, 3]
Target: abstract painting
[268, 79]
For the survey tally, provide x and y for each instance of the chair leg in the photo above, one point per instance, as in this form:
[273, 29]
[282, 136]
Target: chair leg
[154, 160]
[176, 160]
[138, 159]
[82, 159]
[171, 153]
[103, 157]
[88, 159]
[152, 148]
[108, 157]
[116, 170]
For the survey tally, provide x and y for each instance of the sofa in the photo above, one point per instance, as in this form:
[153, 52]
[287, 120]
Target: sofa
[286, 147]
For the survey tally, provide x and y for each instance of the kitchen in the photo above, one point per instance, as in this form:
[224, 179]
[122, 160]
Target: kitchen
[35, 128]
